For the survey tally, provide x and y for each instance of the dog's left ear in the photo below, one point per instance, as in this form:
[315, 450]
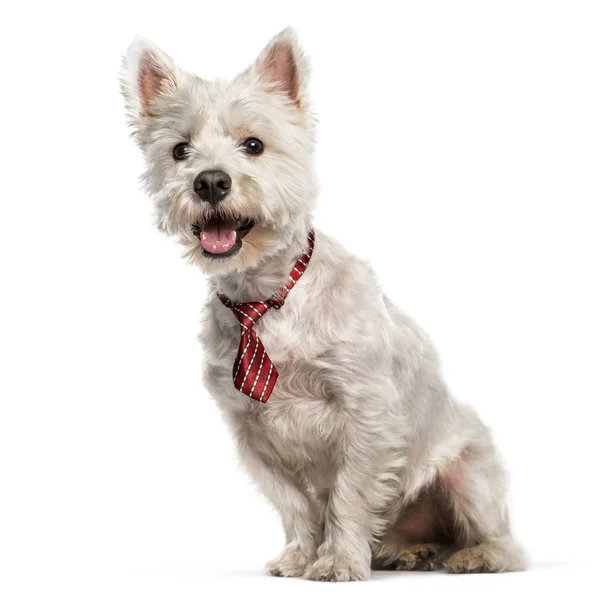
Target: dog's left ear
[283, 63]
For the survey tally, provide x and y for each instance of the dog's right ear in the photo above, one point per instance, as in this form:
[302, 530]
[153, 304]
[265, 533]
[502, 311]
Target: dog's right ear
[147, 73]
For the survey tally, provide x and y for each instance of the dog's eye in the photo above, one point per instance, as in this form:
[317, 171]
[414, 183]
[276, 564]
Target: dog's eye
[180, 151]
[253, 146]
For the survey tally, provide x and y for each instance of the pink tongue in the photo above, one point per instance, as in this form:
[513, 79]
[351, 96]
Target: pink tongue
[218, 237]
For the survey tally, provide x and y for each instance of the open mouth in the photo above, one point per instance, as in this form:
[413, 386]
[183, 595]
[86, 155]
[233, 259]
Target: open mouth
[220, 238]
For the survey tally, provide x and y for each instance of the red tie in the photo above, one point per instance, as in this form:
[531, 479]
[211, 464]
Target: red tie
[253, 372]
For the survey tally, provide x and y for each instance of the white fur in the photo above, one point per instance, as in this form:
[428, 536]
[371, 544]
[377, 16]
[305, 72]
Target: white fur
[361, 431]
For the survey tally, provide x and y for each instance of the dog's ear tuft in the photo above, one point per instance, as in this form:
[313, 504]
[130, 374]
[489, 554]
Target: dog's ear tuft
[146, 73]
[283, 63]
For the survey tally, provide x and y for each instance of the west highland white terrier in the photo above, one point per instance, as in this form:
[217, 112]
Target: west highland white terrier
[333, 395]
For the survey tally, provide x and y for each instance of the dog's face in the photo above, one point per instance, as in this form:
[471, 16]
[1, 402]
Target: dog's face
[229, 163]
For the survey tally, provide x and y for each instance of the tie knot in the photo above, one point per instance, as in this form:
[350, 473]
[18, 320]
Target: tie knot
[248, 313]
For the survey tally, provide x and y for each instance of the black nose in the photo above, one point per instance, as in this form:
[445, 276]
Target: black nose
[212, 186]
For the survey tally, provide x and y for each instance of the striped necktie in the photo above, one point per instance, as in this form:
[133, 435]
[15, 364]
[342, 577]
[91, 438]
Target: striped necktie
[253, 372]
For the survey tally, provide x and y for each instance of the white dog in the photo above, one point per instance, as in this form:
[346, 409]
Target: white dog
[360, 447]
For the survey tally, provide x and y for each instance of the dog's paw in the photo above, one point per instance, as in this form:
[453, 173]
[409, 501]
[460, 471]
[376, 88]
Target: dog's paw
[423, 557]
[495, 556]
[335, 567]
[291, 563]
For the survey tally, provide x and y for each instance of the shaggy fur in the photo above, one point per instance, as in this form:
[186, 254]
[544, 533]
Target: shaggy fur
[361, 448]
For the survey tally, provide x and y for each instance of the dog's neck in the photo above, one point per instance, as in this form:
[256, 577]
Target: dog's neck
[260, 282]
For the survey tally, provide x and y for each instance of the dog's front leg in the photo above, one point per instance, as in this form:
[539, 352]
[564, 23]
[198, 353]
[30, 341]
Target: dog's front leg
[369, 454]
[301, 517]
[345, 554]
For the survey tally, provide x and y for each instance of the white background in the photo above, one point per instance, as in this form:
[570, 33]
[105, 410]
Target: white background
[476, 124]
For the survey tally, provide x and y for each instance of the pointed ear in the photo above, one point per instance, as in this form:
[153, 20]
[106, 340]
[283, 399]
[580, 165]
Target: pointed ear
[283, 63]
[146, 73]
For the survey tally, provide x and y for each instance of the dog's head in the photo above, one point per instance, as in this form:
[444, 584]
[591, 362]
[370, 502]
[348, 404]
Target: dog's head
[229, 163]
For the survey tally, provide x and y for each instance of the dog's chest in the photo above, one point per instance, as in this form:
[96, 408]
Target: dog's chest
[297, 425]
[298, 429]
[295, 429]
[300, 421]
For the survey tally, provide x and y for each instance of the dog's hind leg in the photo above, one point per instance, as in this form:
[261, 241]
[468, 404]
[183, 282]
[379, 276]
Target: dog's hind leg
[458, 522]
[474, 484]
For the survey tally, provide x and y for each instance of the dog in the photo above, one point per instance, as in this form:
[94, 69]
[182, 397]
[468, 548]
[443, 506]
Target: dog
[333, 395]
